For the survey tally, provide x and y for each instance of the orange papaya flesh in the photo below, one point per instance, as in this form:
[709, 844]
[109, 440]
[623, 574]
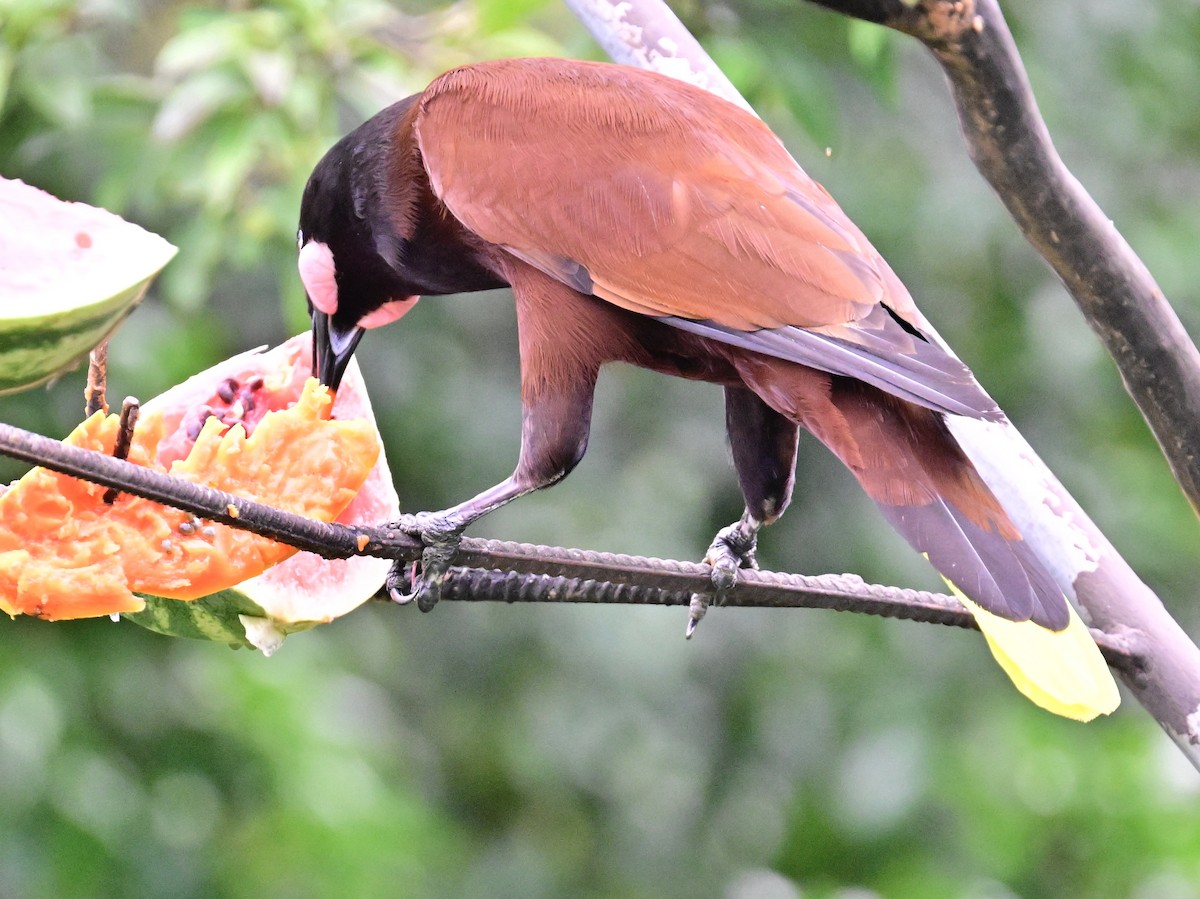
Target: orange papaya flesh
[64, 553]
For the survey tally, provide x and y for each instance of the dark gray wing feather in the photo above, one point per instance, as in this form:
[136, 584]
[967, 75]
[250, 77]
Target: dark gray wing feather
[928, 376]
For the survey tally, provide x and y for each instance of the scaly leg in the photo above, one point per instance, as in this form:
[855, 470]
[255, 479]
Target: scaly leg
[555, 425]
[558, 379]
[763, 444]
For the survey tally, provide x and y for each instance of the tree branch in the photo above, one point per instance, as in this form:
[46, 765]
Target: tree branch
[1010, 145]
[1087, 566]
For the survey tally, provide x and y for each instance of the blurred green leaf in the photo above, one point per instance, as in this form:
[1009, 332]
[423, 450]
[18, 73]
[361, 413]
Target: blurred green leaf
[271, 74]
[806, 97]
[500, 15]
[206, 39]
[7, 64]
[231, 157]
[866, 42]
[195, 101]
[189, 281]
[54, 78]
[741, 62]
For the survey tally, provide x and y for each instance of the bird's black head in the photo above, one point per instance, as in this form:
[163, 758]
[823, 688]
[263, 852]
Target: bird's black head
[349, 249]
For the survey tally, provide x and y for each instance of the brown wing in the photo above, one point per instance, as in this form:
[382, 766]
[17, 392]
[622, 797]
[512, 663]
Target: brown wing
[667, 201]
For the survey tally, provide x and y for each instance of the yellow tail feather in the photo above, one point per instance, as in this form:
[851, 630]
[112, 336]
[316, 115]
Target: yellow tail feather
[1061, 671]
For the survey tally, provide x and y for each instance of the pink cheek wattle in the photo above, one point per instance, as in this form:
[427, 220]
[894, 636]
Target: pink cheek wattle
[387, 313]
[318, 274]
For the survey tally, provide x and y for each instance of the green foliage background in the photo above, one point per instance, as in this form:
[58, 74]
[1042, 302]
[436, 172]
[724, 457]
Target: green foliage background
[549, 752]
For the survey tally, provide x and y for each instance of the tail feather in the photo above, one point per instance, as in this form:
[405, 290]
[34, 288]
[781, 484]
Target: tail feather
[913, 468]
[1031, 629]
[1001, 574]
[1060, 671]
[909, 463]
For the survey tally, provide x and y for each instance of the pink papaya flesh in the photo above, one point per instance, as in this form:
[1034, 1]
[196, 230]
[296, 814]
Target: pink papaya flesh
[256, 426]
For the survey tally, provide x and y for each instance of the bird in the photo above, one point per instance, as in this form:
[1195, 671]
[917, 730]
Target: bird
[640, 219]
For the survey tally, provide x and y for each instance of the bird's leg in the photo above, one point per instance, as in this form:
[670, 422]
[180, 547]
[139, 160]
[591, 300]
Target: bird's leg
[763, 445]
[441, 533]
[555, 422]
[733, 548]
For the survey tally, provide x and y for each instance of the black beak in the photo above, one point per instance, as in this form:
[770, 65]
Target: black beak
[332, 348]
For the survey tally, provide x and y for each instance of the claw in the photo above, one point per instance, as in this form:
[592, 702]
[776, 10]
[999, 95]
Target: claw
[697, 609]
[401, 582]
[422, 581]
[732, 549]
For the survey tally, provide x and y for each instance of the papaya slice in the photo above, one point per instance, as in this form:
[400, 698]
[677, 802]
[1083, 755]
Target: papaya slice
[81, 271]
[256, 426]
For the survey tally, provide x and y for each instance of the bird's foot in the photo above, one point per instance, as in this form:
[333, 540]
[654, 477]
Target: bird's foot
[422, 580]
[732, 549]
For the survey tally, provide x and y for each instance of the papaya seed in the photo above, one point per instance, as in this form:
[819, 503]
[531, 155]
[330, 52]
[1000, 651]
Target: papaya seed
[227, 390]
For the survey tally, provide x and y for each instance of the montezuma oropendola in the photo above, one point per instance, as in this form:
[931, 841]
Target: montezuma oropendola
[640, 219]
